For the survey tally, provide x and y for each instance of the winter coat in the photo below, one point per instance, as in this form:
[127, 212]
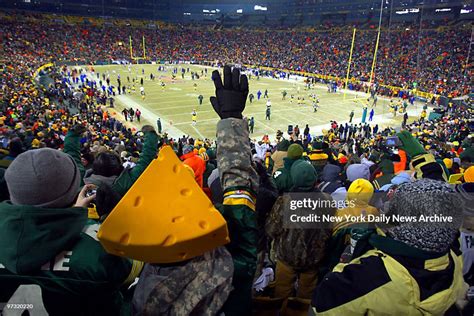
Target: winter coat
[282, 177]
[392, 278]
[302, 248]
[197, 164]
[60, 260]
[330, 177]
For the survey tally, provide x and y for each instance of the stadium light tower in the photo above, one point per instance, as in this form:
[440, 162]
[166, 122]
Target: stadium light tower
[374, 61]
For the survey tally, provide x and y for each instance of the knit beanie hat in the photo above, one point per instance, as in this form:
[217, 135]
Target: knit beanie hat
[295, 151]
[426, 197]
[303, 175]
[43, 177]
[357, 171]
[283, 145]
[360, 190]
[469, 174]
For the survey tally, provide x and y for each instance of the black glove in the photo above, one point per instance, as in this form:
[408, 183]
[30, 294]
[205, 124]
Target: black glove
[231, 96]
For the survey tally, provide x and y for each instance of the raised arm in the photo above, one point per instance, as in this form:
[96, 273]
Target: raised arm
[239, 183]
[72, 147]
[149, 151]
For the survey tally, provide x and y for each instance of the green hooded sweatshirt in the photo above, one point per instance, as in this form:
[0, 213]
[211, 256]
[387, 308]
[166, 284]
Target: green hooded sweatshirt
[57, 250]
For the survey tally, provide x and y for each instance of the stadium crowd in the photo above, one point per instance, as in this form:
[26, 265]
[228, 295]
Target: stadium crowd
[429, 60]
[63, 151]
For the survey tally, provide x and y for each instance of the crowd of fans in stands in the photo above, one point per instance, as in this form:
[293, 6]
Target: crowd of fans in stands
[57, 138]
[430, 60]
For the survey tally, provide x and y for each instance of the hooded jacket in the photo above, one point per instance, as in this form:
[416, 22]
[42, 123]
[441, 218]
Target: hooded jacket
[300, 246]
[57, 250]
[331, 178]
[282, 176]
[392, 278]
[197, 164]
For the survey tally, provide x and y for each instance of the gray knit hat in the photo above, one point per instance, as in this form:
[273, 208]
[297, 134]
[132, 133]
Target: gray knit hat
[426, 197]
[43, 177]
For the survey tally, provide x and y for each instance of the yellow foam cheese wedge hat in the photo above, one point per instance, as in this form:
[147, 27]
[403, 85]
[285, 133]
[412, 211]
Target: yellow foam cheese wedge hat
[165, 217]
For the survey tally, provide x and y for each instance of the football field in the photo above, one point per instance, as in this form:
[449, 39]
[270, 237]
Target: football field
[175, 102]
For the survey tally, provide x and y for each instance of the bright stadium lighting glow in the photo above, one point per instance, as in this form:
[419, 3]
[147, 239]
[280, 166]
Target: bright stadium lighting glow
[406, 11]
[443, 10]
[259, 8]
[205, 11]
[465, 11]
[213, 11]
[217, 10]
[240, 11]
[186, 13]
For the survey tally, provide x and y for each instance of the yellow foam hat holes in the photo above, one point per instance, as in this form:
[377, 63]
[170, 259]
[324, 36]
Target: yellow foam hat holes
[165, 217]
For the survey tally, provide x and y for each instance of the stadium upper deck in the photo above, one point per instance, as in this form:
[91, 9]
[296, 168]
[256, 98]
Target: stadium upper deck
[432, 60]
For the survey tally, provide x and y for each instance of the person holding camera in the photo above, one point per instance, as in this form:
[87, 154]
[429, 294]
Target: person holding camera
[50, 253]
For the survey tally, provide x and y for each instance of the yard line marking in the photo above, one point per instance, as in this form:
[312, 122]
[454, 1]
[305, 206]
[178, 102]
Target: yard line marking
[197, 131]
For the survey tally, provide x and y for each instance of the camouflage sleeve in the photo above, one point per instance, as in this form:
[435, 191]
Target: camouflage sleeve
[240, 185]
[274, 225]
[234, 157]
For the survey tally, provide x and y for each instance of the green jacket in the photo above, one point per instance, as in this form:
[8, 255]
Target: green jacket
[282, 177]
[57, 250]
[128, 177]
[240, 184]
[72, 147]
[386, 166]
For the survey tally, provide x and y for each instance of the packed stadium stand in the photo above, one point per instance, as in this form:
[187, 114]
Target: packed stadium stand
[104, 214]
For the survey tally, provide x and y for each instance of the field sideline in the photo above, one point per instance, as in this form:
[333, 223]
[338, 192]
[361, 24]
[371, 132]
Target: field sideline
[174, 103]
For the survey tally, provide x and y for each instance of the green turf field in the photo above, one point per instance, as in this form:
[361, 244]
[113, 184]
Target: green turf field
[174, 103]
